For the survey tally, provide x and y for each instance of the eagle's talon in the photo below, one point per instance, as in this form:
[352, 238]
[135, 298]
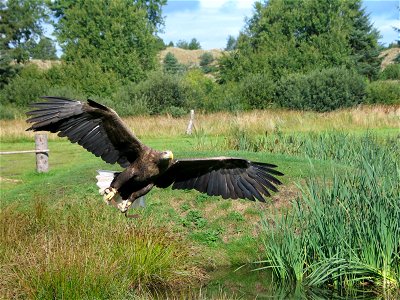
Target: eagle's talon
[109, 193]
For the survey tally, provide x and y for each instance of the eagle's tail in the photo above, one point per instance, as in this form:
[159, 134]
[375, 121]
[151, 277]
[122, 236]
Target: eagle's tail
[104, 180]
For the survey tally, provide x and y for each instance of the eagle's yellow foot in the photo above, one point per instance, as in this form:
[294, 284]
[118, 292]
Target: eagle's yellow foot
[109, 193]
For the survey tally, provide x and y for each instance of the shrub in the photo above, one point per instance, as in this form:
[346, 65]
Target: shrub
[322, 90]
[391, 72]
[205, 62]
[161, 91]
[25, 87]
[202, 90]
[384, 92]
[86, 77]
[171, 64]
[257, 91]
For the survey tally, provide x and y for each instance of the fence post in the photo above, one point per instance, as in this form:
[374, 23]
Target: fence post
[190, 125]
[42, 158]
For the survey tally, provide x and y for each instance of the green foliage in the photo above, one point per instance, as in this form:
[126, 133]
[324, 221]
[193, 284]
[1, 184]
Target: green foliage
[118, 36]
[25, 87]
[342, 232]
[45, 49]
[203, 92]
[256, 91]
[194, 219]
[86, 77]
[182, 44]
[383, 92]
[391, 72]
[7, 69]
[231, 43]
[194, 44]
[324, 90]
[206, 60]
[81, 79]
[161, 91]
[170, 64]
[20, 26]
[285, 37]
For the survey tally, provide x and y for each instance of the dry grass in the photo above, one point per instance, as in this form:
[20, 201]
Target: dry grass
[189, 57]
[388, 56]
[255, 122]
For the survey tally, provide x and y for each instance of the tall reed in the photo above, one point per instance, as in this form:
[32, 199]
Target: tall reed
[343, 232]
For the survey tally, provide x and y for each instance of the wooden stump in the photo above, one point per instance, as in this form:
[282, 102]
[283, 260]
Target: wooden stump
[42, 158]
[190, 125]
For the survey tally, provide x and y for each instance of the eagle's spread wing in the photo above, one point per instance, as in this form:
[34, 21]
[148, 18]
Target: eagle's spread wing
[222, 176]
[92, 125]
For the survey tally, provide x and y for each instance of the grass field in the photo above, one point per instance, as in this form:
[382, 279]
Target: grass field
[59, 239]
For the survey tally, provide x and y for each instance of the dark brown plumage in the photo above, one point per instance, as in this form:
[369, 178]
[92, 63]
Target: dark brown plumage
[99, 129]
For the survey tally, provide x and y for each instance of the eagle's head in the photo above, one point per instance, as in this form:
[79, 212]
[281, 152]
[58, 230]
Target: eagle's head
[167, 156]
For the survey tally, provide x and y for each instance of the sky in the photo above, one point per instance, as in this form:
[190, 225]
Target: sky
[212, 21]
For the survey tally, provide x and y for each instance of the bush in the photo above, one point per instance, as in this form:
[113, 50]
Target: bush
[25, 87]
[86, 77]
[202, 90]
[256, 91]
[383, 92]
[126, 103]
[206, 60]
[322, 90]
[159, 91]
[391, 72]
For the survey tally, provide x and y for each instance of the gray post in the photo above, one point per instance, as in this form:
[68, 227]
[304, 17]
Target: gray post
[42, 158]
[190, 125]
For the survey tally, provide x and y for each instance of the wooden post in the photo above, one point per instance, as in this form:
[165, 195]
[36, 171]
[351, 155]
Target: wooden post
[42, 158]
[190, 125]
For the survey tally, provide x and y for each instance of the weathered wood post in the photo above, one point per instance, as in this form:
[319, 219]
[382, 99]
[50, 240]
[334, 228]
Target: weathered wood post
[190, 125]
[42, 156]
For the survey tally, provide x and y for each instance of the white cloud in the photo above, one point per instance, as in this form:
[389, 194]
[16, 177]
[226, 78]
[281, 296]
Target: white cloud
[385, 26]
[211, 23]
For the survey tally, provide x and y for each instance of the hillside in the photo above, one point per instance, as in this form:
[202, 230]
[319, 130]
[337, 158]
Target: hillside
[388, 56]
[192, 57]
[189, 57]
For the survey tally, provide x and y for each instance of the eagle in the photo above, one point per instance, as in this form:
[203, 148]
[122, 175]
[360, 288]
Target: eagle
[101, 131]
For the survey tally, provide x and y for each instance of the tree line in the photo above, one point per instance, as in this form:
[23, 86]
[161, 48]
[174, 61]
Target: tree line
[305, 54]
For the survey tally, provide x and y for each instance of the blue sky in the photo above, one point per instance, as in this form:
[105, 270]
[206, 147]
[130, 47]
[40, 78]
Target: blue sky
[212, 21]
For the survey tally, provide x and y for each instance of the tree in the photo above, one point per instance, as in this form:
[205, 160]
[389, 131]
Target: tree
[286, 36]
[118, 35]
[182, 44]
[45, 49]
[194, 44]
[231, 43]
[171, 64]
[20, 26]
[205, 62]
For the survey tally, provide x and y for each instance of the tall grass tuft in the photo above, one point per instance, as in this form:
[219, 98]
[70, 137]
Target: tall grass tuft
[83, 252]
[343, 232]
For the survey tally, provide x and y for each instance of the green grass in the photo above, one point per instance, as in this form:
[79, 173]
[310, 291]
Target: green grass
[344, 231]
[69, 236]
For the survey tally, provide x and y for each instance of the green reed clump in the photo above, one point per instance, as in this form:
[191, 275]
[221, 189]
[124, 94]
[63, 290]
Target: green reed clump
[84, 251]
[343, 232]
[340, 146]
